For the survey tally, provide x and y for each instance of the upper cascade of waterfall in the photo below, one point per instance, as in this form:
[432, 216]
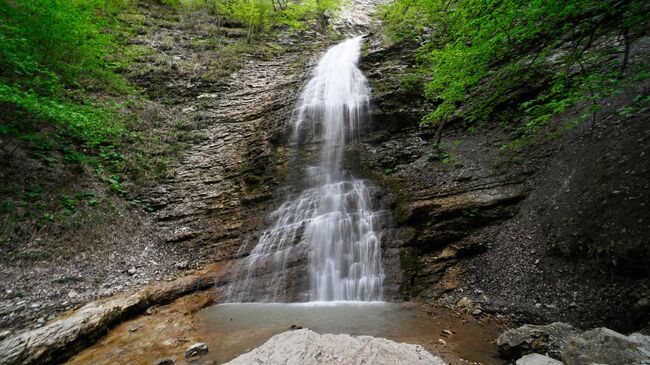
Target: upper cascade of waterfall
[333, 104]
[332, 222]
[336, 81]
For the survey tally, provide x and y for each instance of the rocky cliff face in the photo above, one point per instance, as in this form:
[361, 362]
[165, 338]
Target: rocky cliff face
[441, 207]
[220, 188]
[555, 232]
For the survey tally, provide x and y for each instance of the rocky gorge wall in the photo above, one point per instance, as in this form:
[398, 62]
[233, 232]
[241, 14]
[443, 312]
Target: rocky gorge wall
[557, 232]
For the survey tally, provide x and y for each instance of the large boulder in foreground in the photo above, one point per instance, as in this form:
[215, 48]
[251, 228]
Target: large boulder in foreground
[309, 348]
[547, 339]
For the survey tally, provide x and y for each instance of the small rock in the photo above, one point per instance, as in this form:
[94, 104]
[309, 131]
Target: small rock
[165, 361]
[464, 302]
[182, 265]
[196, 350]
[131, 271]
[476, 312]
[4, 334]
[537, 359]
[207, 96]
[134, 329]
[295, 327]
[73, 294]
[446, 333]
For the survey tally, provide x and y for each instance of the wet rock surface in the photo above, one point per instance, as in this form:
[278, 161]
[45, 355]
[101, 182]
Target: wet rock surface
[197, 349]
[308, 347]
[61, 338]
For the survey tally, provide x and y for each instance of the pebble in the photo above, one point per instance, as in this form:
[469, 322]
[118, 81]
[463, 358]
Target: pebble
[131, 271]
[165, 361]
[73, 294]
[197, 349]
[182, 265]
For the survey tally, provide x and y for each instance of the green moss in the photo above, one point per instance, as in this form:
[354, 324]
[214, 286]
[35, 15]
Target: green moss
[252, 182]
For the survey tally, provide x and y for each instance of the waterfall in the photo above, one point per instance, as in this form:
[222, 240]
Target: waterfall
[330, 227]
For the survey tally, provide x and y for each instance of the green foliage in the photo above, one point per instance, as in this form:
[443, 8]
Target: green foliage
[52, 44]
[53, 52]
[411, 82]
[537, 57]
[260, 15]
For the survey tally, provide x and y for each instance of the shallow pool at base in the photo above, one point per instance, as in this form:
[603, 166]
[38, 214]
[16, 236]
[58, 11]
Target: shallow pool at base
[233, 329]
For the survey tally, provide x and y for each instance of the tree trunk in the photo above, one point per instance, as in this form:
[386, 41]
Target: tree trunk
[441, 126]
[626, 50]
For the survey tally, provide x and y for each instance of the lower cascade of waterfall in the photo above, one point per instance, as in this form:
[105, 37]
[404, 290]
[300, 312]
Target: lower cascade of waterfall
[323, 243]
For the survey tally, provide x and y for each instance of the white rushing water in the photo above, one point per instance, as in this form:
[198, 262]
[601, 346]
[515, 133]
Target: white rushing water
[331, 221]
